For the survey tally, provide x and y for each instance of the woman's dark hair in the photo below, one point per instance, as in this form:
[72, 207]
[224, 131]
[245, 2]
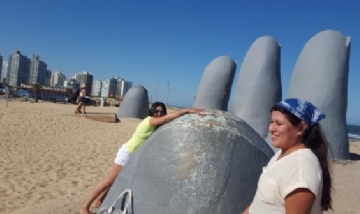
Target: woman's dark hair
[315, 140]
[153, 107]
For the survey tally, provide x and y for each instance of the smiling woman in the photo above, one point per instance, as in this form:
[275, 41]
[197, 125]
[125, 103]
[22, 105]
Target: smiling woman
[297, 178]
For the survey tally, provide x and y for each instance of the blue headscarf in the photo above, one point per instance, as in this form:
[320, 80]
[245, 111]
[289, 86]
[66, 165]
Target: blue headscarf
[302, 109]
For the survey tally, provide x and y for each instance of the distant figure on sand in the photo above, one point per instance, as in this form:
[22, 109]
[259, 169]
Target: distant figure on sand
[297, 178]
[157, 117]
[81, 100]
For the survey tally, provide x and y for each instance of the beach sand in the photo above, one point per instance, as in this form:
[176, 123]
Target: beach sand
[51, 159]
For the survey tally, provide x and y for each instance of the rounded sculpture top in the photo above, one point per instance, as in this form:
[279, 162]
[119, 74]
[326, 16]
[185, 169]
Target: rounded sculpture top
[217, 119]
[220, 72]
[224, 59]
[266, 40]
[135, 103]
[327, 41]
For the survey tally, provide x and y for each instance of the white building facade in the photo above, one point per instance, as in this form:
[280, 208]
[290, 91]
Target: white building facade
[109, 87]
[57, 79]
[96, 88]
[124, 87]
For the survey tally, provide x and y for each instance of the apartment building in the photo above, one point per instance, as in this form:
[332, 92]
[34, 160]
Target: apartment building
[85, 78]
[18, 69]
[108, 88]
[37, 72]
[96, 88]
[57, 79]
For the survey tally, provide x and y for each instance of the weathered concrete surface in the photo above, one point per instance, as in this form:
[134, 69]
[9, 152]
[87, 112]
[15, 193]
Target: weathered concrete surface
[259, 84]
[321, 77]
[215, 85]
[214, 169]
[135, 103]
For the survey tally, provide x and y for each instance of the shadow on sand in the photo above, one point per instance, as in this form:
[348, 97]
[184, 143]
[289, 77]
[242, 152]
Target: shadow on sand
[101, 117]
[354, 156]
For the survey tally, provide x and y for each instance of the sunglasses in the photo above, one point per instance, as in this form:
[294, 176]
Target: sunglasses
[158, 111]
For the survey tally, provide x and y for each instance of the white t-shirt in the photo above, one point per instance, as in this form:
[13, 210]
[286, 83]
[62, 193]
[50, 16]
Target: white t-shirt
[300, 169]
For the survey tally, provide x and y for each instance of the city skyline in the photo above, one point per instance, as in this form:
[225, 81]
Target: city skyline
[25, 72]
[171, 41]
[51, 77]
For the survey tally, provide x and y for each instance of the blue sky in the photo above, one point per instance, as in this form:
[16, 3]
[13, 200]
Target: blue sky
[171, 40]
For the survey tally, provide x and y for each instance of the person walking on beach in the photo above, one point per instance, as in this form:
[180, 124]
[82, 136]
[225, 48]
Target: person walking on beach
[81, 100]
[157, 117]
[297, 178]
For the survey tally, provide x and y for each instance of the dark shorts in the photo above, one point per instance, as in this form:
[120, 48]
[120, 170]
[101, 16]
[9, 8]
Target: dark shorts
[84, 100]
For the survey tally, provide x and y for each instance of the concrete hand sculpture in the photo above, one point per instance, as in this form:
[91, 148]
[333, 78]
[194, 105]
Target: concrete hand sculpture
[321, 77]
[210, 163]
[135, 103]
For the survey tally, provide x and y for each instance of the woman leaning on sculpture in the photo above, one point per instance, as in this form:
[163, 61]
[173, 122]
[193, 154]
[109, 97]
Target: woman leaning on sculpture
[297, 179]
[157, 116]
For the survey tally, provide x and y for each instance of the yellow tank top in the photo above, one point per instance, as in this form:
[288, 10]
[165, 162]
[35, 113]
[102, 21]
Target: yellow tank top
[142, 132]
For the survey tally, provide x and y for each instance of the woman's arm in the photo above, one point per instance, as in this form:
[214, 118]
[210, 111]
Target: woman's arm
[299, 201]
[157, 121]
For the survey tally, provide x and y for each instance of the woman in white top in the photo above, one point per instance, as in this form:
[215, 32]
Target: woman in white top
[297, 179]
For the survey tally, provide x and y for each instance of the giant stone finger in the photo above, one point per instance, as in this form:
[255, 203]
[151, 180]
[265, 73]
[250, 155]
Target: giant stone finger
[258, 85]
[215, 85]
[135, 103]
[321, 77]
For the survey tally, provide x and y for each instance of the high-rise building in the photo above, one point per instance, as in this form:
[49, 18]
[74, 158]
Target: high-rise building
[96, 88]
[122, 87]
[4, 71]
[108, 88]
[18, 69]
[38, 71]
[119, 87]
[104, 89]
[48, 78]
[1, 66]
[73, 84]
[57, 79]
[85, 77]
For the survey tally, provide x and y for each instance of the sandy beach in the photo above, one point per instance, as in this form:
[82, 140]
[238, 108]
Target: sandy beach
[51, 159]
